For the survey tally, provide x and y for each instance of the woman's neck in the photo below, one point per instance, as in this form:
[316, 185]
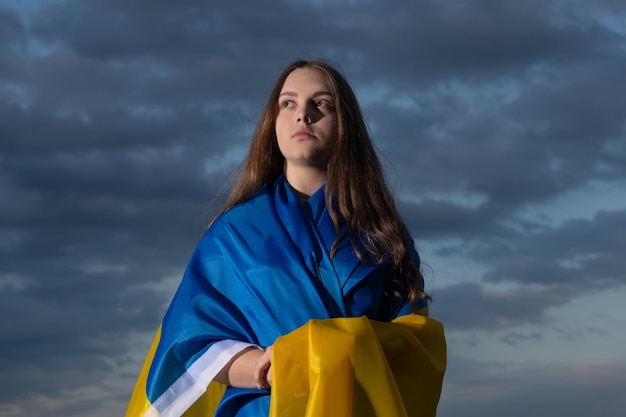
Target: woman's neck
[305, 180]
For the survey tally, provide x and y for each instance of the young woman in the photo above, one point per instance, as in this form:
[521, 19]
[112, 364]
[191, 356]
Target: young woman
[310, 232]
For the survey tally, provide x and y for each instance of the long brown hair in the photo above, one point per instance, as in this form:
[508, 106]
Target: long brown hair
[356, 193]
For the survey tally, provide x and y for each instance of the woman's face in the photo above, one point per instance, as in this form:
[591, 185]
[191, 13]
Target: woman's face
[306, 125]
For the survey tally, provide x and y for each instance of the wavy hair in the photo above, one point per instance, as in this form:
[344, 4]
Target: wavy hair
[356, 193]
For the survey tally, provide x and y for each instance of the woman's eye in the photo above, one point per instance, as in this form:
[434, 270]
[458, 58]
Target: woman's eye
[286, 104]
[324, 103]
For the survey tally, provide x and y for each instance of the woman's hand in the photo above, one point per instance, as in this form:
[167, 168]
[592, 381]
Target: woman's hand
[263, 369]
[250, 368]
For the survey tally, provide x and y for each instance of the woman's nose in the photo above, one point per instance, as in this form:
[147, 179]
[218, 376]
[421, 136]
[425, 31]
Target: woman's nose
[304, 117]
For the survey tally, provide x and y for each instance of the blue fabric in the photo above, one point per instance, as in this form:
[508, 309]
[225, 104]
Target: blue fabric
[261, 271]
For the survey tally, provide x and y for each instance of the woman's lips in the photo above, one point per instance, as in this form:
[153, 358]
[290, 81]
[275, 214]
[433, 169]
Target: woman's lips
[302, 133]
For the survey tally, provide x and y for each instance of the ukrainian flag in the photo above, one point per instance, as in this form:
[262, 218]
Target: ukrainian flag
[340, 367]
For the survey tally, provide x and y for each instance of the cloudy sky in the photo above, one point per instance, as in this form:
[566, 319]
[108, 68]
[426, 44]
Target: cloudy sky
[501, 125]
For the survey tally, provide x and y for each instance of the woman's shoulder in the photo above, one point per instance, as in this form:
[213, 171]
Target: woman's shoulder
[252, 207]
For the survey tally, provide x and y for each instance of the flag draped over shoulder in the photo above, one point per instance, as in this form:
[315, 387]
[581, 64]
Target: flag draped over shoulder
[260, 272]
[345, 367]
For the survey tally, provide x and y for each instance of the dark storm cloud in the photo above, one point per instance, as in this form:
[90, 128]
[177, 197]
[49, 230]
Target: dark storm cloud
[433, 41]
[548, 266]
[580, 253]
[119, 121]
[12, 38]
[553, 134]
[199, 50]
[469, 305]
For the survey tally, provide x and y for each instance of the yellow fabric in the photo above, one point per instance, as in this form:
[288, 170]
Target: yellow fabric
[139, 402]
[207, 404]
[358, 367]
